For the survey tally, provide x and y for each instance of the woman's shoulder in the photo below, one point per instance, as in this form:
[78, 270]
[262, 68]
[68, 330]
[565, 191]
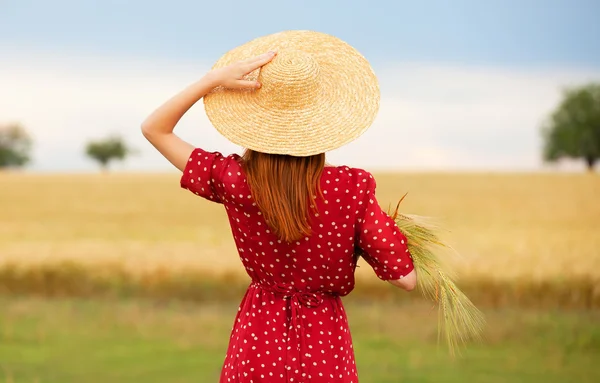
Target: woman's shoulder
[353, 179]
[347, 172]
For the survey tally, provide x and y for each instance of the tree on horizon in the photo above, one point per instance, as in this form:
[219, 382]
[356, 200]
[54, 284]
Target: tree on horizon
[15, 146]
[105, 151]
[573, 129]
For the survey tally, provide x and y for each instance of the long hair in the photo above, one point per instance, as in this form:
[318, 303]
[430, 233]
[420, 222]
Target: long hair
[285, 189]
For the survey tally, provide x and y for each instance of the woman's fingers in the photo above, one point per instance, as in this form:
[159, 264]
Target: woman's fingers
[258, 61]
[241, 84]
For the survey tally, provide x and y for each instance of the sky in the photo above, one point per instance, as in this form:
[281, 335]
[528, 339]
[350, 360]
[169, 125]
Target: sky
[465, 84]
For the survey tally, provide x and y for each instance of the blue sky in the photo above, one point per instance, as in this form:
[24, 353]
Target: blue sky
[504, 32]
[426, 53]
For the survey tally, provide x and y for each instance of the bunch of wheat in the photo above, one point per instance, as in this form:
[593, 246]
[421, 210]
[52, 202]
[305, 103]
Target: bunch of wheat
[459, 319]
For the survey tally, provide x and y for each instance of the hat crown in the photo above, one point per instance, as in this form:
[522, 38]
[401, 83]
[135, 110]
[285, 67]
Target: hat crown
[290, 80]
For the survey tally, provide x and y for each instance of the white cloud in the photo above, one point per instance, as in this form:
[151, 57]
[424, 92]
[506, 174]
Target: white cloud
[433, 116]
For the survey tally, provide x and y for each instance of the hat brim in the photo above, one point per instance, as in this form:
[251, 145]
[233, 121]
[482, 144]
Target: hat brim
[344, 108]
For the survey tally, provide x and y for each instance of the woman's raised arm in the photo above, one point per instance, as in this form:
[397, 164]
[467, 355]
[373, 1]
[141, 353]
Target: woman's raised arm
[158, 127]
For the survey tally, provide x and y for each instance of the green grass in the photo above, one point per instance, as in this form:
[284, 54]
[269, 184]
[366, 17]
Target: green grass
[68, 340]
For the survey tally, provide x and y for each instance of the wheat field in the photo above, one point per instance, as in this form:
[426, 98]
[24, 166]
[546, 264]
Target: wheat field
[506, 228]
[141, 236]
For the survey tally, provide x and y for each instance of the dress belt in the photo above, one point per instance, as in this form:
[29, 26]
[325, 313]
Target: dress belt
[298, 300]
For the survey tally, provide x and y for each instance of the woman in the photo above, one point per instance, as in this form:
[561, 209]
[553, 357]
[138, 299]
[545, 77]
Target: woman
[296, 221]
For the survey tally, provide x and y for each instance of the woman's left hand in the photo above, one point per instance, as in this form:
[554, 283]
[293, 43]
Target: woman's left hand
[232, 76]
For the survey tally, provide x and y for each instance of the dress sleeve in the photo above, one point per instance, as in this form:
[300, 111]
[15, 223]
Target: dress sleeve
[202, 174]
[384, 245]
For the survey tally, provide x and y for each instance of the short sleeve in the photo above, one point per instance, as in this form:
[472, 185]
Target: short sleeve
[384, 245]
[202, 174]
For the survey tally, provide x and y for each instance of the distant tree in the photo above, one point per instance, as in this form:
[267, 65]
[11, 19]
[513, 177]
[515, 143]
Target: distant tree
[573, 129]
[106, 150]
[15, 146]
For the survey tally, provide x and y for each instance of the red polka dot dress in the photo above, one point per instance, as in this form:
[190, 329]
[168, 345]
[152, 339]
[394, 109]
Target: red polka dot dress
[291, 325]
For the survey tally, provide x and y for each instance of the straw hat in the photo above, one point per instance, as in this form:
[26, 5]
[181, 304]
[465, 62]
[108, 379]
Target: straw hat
[317, 94]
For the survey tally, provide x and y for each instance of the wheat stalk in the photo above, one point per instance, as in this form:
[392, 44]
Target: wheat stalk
[459, 319]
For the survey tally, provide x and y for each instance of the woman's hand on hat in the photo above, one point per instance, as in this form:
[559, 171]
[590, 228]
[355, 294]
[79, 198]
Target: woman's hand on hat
[232, 76]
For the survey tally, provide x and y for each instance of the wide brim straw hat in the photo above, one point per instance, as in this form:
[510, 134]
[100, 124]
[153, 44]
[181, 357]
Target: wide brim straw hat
[317, 94]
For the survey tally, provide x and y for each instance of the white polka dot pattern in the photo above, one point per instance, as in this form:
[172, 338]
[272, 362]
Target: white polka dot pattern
[291, 325]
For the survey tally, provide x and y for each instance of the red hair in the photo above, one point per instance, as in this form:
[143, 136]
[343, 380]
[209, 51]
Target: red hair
[285, 189]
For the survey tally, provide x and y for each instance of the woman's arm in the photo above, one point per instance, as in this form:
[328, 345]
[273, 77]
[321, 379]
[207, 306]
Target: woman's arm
[408, 282]
[158, 127]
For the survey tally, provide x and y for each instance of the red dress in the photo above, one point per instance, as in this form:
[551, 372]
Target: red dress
[291, 325]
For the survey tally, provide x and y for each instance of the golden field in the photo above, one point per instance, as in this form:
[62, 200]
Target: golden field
[509, 229]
